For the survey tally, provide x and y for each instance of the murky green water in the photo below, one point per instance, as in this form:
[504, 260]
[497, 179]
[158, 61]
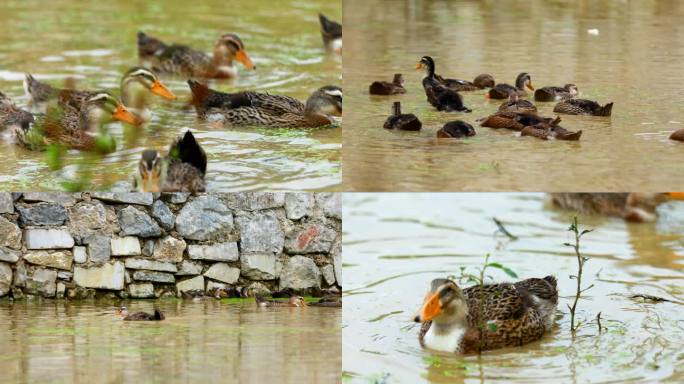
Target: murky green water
[635, 62]
[96, 42]
[212, 341]
[395, 244]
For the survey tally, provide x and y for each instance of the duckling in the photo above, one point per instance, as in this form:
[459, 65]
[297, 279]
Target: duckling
[480, 82]
[295, 301]
[140, 316]
[184, 61]
[438, 95]
[634, 207]
[386, 88]
[677, 135]
[516, 104]
[456, 129]
[405, 122]
[12, 116]
[182, 170]
[331, 32]
[513, 314]
[263, 109]
[502, 91]
[583, 107]
[568, 91]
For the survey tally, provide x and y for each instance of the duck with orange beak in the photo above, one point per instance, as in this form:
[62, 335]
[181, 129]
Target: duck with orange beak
[182, 60]
[503, 90]
[511, 314]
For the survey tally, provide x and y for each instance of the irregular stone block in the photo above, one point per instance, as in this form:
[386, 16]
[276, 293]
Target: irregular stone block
[87, 218]
[58, 259]
[255, 201]
[261, 234]
[188, 268]
[135, 222]
[5, 279]
[212, 285]
[163, 215]
[336, 253]
[217, 252]
[300, 272]
[80, 255]
[20, 274]
[223, 272]
[148, 248]
[42, 214]
[204, 218]
[330, 203]
[125, 246]
[298, 205]
[192, 284]
[107, 276]
[258, 266]
[256, 288]
[61, 288]
[9, 255]
[64, 275]
[315, 238]
[328, 273]
[157, 277]
[62, 198]
[175, 197]
[169, 249]
[43, 282]
[141, 290]
[138, 198]
[6, 202]
[99, 248]
[48, 238]
[10, 234]
[132, 263]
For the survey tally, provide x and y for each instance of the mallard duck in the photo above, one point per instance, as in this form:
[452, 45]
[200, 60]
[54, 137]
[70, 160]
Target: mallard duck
[295, 301]
[181, 170]
[583, 107]
[12, 116]
[438, 95]
[329, 301]
[634, 207]
[40, 93]
[456, 129]
[184, 61]
[515, 120]
[387, 88]
[677, 135]
[263, 109]
[547, 131]
[480, 82]
[405, 122]
[503, 90]
[516, 104]
[568, 91]
[331, 32]
[512, 314]
[139, 316]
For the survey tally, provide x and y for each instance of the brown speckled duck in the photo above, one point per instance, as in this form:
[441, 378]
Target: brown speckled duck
[402, 121]
[530, 124]
[294, 301]
[387, 88]
[139, 316]
[456, 129]
[516, 104]
[13, 117]
[583, 107]
[503, 90]
[634, 207]
[556, 93]
[480, 82]
[512, 314]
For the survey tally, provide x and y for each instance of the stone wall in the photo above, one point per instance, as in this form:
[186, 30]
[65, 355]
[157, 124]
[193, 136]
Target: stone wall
[142, 245]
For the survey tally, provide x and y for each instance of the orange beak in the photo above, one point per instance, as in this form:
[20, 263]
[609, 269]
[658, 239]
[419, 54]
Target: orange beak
[431, 308]
[676, 195]
[160, 89]
[529, 85]
[419, 65]
[242, 57]
[123, 114]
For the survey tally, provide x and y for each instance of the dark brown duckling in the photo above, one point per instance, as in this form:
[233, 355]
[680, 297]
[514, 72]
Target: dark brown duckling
[677, 135]
[330, 301]
[568, 91]
[387, 88]
[439, 95]
[295, 301]
[516, 104]
[583, 107]
[456, 129]
[503, 90]
[140, 316]
[480, 82]
[405, 122]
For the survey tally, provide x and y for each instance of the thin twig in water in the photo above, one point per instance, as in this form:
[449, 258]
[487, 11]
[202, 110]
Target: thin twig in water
[598, 321]
[503, 229]
[655, 299]
[574, 227]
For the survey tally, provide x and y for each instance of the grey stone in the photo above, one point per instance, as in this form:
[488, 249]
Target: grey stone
[43, 282]
[141, 290]
[148, 248]
[336, 253]
[217, 252]
[124, 197]
[99, 248]
[261, 234]
[42, 214]
[125, 246]
[157, 277]
[48, 238]
[257, 288]
[10, 234]
[254, 201]
[133, 263]
[298, 205]
[315, 238]
[212, 285]
[87, 218]
[188, 268]
[163, 215]
[135, 222]
[258, 266]
[330, 203]
[53, 259]
[64, 275]
[106, 276]
[328, 273]
[61, 288]
[175, 197]
[9, 255]
[63, 198]
[5, 279]
[192, 284]
[300, 272]
[20, 274]
[80, 255]
[169, 249]
[223, 272]
[6, 202]
[204, 218]
[127, 277]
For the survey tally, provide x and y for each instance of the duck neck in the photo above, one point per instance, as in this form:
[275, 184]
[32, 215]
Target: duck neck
[221, 64]
[430, 70]
[520, 83]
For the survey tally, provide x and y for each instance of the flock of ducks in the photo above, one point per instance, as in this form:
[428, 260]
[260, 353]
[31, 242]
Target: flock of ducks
[73, 119]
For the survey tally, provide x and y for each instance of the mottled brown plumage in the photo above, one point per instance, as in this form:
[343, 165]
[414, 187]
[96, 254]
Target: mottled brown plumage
[583, 107]
[636, 207]
[556, 93]
[503, 90]
[294, 301]
[388, 88]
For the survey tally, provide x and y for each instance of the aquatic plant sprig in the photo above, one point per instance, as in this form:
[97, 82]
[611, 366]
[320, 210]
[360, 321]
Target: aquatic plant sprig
[574, 227]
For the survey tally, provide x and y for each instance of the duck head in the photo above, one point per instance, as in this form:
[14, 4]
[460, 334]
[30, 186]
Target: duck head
[444, 304]
[398, 79]
[484, 81]
[230, 47]
[151, 172]
[326, 101]
[524, 80]
[146, 78]
[572, 89]
[297, 301]
[122, 311]
[427, 64]
[105, 102]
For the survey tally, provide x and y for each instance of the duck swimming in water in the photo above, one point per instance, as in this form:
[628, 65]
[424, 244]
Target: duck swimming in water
[294, 301]
[387, 88]
[139, 316]
[583, 107]
[568, 91]
[634, 207]
[439, 95]
[503, 90]
[331, 32]
[402, 121]
[455, 130]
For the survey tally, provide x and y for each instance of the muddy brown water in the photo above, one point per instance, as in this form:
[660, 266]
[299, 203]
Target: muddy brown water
[96, 43]
[395, 244]
[635, 62]
[212, 341]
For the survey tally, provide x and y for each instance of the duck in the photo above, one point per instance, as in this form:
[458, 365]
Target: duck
[294, 301]
[329, 301]
[515, 120]
[181, 60]
[404, 122]
[331, 32]
[480, 82]
[438, 95]
[516, 104]
[677, 135]
[140, 316]
[583, 107]
[567, 91]
[40, 93]
[387, 88]
[503, 90]
[183, 169]
[13, 117]
[513, 314]
[631, 207]
[546, 131]
[456, 129]
[250, 108]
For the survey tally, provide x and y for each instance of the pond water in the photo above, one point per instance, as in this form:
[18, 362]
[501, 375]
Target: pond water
[212, 341]
[395, 244]
[96, 44]
[635, 62]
